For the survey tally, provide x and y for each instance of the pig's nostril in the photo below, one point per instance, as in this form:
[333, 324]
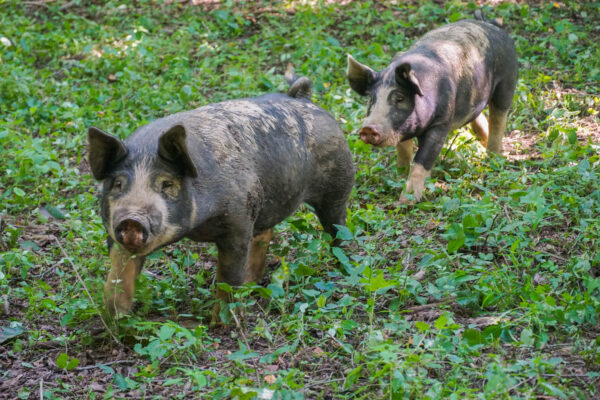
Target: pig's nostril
[131, 233]
[369, 134]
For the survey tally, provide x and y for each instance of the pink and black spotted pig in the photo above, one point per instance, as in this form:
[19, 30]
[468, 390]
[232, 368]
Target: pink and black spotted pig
[441, 83]
[225, 173]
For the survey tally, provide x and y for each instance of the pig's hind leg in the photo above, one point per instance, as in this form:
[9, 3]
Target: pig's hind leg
[232, 271]
[329, 194]
[241, 260]
[480, 128]
[499, 106]
[330, 213]
[258, 253]
[498, 119]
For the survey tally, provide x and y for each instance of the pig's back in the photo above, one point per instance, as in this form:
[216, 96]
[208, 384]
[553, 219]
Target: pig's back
[271, 132]
[269, 126]
[466, 46]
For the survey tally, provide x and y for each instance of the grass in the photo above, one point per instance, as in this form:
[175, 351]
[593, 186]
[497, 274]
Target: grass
[489, 288]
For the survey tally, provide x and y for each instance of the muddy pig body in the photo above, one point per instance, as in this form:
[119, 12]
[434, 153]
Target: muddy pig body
[224, 173]
[441, 83]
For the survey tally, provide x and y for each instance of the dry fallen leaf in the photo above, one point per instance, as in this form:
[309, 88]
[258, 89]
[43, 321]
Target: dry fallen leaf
[419, 275]
[318, 352]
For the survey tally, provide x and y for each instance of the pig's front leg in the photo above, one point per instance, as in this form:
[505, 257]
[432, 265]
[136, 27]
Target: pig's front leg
[430, 146]
[233, 257]
[257, 256]
[415, 183]
[240, 262]
[120, 283]
[404, 154]
[231, 268]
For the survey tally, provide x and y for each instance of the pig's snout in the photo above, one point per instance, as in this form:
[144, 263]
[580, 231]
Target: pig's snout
[370, 135]
[131, 233]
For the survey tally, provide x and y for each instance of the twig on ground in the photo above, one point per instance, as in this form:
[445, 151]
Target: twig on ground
[507, 215]
[37, 3]
[483, 247]
[50, 344]
[566, 376]
[3, 245]
[340, 343]
[106, 363]
[554, 256]
[191, 365]
[44, 3]
[245, 339]
[68, 5]
[239, 326]
[510, 389]
[87, 291]
[317, 383]
[427, 306]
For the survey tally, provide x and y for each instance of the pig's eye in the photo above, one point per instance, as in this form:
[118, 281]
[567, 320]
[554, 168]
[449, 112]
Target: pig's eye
[399, 98]
[166, 185]
[169, 187]
[117, 185]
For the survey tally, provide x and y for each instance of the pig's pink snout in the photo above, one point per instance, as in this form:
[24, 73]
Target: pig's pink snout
[370, 135]
[131, 233]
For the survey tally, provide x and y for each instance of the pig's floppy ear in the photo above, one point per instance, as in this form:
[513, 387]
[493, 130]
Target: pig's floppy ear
[360, 77]
[173, 149]
[105, 151]
[405, 74]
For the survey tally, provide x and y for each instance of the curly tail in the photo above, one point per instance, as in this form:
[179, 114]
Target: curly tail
[480, 17]
[300, 87]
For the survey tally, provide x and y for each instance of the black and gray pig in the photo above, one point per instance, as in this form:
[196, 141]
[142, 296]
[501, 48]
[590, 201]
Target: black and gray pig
[223, 173]
[441, 83]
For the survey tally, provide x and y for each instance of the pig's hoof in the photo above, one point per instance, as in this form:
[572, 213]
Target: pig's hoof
[117, 315]
[118, 309]
[218, 325]
[406, 201]
[215, 319]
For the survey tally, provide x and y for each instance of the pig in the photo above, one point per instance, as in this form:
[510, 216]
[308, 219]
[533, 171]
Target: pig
[442, 82]
[225, 173]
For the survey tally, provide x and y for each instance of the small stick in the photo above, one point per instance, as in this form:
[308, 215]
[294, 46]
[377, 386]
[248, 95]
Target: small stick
[427, 306]
[239, 326]
[68, 5]
[520, 383]
[36, 3]
[106, 363]
[86, 291]
[450, 146]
